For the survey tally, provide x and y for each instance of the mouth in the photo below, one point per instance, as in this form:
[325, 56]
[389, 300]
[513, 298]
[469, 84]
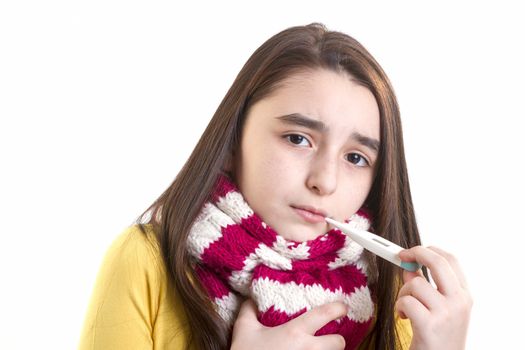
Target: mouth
[310, 214]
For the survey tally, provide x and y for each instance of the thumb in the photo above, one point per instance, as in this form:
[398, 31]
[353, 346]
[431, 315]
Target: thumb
[248, 311]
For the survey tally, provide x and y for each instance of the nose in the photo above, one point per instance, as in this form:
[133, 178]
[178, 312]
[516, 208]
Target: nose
[322, 175]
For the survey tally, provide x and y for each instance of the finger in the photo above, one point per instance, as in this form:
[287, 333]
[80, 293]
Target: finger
[410, 275]
[419, 288]
[411, 308]
[329, 341]
[317, 317]
[454, 264]
[248, 311]
[442, 273]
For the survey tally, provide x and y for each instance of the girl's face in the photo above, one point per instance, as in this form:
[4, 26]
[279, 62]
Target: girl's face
[309, 147]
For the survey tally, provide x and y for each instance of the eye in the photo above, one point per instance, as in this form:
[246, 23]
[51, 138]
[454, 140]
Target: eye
[357, 159]
[297, 139]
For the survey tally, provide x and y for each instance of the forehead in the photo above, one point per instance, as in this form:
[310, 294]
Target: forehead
[306, 78]
[335, 98]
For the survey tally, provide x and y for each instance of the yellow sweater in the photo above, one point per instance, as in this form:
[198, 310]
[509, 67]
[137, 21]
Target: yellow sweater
[130, 307]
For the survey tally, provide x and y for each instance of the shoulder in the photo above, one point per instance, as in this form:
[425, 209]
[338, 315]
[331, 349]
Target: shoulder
[133, 304]
[131, 271]
[132, 259]
[135, 249]
[134, 239]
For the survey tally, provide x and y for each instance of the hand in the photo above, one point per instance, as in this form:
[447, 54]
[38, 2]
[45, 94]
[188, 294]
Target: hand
[249, 333]
[439, 316]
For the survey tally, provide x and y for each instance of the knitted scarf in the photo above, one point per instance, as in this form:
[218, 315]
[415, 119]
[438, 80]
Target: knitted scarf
[237, 255]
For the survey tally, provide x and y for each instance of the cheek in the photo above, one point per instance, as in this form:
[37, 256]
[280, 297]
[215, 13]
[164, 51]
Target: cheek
[270, 161]
[268, 175]
[353, 195]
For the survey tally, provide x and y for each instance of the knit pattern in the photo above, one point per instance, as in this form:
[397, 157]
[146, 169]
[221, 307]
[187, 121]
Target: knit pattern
[237, 255]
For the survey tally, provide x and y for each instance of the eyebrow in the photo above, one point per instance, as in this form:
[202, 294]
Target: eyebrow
[316, 125]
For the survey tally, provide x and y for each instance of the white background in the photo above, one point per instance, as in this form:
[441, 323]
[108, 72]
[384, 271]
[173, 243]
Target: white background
[101, 102]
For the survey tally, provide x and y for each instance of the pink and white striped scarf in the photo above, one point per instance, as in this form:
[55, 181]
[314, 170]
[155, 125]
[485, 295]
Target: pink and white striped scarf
[238, 255]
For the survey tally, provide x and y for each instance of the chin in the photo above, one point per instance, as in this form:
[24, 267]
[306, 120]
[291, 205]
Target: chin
[307, 236]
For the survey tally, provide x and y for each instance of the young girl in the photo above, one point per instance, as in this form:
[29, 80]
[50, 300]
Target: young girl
[236, 252]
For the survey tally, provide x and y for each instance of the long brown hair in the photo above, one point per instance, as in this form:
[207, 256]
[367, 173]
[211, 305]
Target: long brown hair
[390, 202]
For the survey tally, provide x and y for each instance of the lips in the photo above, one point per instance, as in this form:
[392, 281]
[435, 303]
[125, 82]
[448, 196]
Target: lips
[310, 214]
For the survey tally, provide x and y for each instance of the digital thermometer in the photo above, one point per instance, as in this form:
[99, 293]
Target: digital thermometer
[376, 244]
